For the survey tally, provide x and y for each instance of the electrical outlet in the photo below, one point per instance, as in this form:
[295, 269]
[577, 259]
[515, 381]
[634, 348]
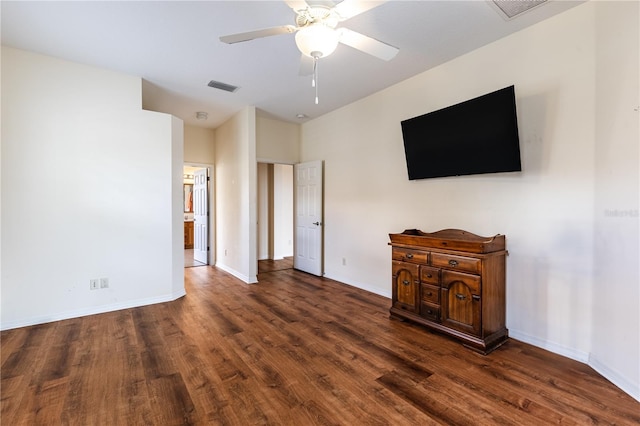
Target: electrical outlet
[104, 282]
[94, 284]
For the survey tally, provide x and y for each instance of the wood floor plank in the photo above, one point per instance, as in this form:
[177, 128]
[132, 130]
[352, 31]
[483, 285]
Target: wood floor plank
[170, 401]
[294, 349]
[12, 391]
[12, 341]
[29, 355]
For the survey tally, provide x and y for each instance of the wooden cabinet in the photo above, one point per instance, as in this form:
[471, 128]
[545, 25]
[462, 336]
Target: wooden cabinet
[188, 235]
[453, 282]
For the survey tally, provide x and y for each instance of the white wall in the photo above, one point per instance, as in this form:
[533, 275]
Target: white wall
[236, 196]
[177, 213]
[615, 350]
[277, 141]
[91, 188]
[199, 145]
[546, 212]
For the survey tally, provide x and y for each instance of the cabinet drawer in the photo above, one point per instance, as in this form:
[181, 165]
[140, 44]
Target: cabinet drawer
[431, 294]
[469, 282]
[408, 255]
[430, 312]
[459, 263]
[429, 275]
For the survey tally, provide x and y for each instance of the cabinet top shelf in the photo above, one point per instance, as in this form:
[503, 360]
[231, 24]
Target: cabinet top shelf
[452, 239]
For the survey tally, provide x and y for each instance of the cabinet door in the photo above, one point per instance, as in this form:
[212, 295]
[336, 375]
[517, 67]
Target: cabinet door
[405, 286]
[188, 235]
[461, 302]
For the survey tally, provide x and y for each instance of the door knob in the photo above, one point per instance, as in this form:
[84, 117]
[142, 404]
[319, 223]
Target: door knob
[316, 223]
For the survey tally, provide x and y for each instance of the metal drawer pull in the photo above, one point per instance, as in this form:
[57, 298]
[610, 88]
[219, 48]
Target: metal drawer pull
[453, 263]
[475, 297]
[429, 276]
[406, 282]
[429, 293]
[409, 256]
[460, 296]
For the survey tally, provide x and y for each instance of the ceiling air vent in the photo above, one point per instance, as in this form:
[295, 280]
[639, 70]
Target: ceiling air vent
[511, 8]
[222, 86]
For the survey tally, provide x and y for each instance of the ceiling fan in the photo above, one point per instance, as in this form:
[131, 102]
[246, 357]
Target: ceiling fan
[317, 35]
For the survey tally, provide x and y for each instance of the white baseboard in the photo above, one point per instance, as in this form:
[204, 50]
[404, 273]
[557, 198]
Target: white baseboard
[362, 286]
[238, 275]
[91, 311]
[626, 385]
[574, 354]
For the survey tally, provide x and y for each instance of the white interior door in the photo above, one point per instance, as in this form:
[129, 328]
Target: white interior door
[308, 210]
[200, 216]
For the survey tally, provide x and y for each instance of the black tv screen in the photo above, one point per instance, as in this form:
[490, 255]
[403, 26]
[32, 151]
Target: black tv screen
[473, 137]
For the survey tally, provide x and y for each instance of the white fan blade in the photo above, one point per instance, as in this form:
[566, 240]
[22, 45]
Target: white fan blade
[350, 8]
[297, 5]
[266, 32]
[367, 44]
[306, 65]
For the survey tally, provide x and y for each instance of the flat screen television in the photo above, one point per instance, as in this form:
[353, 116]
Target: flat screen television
[473, 137]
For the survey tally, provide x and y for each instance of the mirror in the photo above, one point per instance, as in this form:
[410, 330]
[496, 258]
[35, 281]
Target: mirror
[188, 198]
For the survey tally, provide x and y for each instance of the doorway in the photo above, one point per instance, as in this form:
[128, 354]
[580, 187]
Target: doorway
[275, 217]
[196, 215]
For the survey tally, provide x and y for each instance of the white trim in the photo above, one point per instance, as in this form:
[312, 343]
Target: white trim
[274, 161]
[626, 385]
[550, 346]
[361, 286]
[91, 311]
[210, 208]
[237, 274]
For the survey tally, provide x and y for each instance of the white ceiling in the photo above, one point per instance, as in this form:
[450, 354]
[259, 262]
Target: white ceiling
[174, 46]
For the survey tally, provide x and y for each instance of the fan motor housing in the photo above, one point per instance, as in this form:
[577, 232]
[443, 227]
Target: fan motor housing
[317, 14]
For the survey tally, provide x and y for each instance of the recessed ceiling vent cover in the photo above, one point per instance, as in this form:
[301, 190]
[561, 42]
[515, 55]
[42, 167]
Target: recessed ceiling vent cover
[222, 86]
[509, 9]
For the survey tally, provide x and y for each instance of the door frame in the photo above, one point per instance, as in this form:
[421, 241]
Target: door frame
[210, 207]
[270, 220]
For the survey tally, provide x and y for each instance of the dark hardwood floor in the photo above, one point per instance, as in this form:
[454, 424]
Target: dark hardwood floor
[275, 265]
[292, 350]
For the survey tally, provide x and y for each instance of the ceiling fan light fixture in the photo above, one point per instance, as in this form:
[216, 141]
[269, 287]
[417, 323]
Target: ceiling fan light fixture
[317, 40]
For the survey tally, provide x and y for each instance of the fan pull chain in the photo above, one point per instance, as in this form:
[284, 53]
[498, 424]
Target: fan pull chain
[314, 81]
[315, 71]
